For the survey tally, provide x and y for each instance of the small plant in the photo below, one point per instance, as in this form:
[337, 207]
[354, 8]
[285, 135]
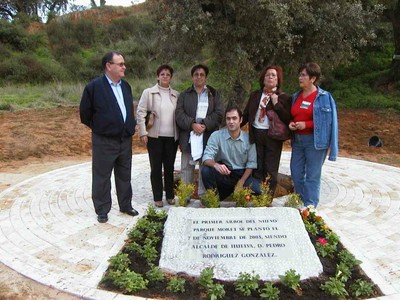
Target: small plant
[291, 280]
[265, 198]
[242, 196]
[348, 259]
[153, 229]
[155, 274]
[335, 287]
[149, 251]
[216, 291]
[128, 280]
[311, 228]
[152, 212]
[134, 247]
[176, 285]
[269, 292]
[343, 272]
[210, 199]
[184, 191]
[293, 200]
[135, 234]
[246, 283]
[361, 288]
[206, 277]
[332, 237]
[142, 224]
[324, 248]
[119, 262]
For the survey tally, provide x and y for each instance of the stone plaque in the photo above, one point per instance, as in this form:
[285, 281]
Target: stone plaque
[268, 241]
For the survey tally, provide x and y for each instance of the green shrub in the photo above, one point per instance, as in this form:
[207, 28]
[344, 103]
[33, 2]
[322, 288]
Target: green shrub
[216, 291]
[184, 192]
[119, 262]
[128, 281]
[293, 200]
[206, 277]
[155, 274]
[176, 285]
[210, 199]
[242, 196]
[291, 280]
[246, 283]
[269, 292]
[334, 287]
[361, 288]
[348, 259]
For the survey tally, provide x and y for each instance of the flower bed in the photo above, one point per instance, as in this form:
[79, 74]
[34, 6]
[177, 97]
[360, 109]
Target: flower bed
[135, 271]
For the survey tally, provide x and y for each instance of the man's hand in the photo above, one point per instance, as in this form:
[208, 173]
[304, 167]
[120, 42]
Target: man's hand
[222, 169]
[238, 186]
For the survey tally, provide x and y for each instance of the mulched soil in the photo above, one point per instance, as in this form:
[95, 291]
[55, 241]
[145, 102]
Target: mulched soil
[310, 288]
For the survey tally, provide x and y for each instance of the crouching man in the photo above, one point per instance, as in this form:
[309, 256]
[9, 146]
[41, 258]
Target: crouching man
[229, 158]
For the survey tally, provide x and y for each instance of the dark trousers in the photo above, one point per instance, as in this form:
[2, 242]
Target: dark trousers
[268, 157]
[108, 154]
[162, 153]
[225, 184]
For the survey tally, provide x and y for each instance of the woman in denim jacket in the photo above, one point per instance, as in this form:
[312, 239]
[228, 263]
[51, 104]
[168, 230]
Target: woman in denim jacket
[315, 130]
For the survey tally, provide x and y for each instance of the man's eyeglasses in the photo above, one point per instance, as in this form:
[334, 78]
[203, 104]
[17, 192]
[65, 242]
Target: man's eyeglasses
[118, 64]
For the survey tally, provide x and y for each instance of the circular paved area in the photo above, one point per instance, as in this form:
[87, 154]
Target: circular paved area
[49, 231]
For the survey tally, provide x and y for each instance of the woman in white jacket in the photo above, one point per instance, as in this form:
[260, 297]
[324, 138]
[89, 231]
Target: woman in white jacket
[161, 138]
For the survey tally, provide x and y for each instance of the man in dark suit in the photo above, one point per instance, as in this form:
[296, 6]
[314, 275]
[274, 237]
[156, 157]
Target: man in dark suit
[107, 108]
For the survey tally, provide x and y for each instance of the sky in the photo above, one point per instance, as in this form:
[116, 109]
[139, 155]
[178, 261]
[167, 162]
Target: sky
[109, 2]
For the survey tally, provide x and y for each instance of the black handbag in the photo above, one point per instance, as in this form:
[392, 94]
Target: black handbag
[277, 129]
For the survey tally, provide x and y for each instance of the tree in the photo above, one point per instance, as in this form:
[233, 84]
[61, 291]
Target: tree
[93, 3]
[9, 9]
[392, 13]
[246, 35]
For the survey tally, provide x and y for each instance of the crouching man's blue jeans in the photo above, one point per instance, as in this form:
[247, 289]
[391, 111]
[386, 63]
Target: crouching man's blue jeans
[225, 184]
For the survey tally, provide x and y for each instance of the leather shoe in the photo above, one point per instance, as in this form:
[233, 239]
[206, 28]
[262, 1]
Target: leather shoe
[102, 218]
[171, 201]
[132, 212]
[158, 203]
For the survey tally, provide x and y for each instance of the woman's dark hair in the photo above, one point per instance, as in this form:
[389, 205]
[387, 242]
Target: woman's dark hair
[233, 108]
[108, 57]
[279, 72]
[164, 67]
[312, 69]
[199, 66]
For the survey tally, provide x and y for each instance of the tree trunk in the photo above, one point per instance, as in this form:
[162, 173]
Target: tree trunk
[394, 72]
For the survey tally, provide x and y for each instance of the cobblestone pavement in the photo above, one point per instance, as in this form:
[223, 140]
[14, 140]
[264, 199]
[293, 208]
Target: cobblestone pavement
[49, 231]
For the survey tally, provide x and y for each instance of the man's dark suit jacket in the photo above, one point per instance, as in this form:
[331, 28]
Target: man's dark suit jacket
[100, 111]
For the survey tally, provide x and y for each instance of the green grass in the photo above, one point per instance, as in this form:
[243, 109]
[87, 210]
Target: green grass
[18, 97]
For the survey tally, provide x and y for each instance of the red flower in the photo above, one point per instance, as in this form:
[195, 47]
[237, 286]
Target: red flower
[322, 241]
[248, 198]
[305, 213]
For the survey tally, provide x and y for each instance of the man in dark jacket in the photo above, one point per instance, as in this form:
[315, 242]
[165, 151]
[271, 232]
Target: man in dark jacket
[199, 112]
[107, 109]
